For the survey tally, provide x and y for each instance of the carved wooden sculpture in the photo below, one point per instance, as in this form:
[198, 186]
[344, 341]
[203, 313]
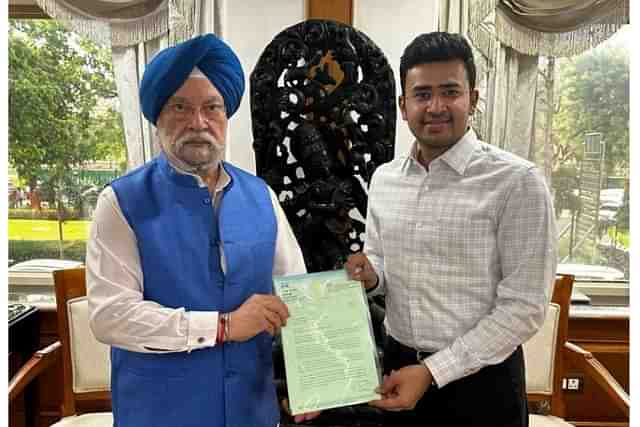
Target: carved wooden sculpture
[323, 110]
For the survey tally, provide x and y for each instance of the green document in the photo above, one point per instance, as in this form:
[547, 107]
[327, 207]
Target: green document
[329, 350]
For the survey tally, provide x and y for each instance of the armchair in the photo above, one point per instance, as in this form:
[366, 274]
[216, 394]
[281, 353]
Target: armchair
[85, 361]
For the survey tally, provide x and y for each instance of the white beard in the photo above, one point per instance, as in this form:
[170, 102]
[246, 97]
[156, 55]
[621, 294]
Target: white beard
[175, 152]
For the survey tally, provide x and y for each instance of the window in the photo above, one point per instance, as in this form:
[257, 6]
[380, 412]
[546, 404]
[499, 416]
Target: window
[590, 178]
[66, 139]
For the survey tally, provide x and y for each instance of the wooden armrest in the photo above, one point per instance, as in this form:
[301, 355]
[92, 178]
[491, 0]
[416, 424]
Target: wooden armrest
[40, 361]
[585, 360]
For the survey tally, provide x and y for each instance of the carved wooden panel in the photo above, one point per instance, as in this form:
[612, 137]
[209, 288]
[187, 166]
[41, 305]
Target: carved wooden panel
[323, 115]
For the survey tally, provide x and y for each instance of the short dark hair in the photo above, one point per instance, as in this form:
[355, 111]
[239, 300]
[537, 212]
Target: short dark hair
[436, 47]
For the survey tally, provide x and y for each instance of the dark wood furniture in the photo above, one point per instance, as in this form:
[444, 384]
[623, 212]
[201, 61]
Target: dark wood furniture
[569, 354]
[55, 361]
[24, 329]
[604, 332]
[71, 284]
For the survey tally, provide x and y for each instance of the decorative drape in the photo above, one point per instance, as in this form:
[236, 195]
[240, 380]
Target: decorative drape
[453, 16]
[111, 22]
[511, 103]
[134, 30]
[551, 27]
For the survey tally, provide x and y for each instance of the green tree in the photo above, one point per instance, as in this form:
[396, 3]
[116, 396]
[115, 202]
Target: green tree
[108, 132]
[594, 97]
[56, 83]
[591, 94]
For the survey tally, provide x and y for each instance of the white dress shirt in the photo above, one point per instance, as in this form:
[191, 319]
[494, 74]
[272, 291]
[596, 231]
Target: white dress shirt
[466, 253]
[121, 317]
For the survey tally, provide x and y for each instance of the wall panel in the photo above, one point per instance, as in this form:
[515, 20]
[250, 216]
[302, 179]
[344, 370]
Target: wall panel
[392, 26]
[249, 26]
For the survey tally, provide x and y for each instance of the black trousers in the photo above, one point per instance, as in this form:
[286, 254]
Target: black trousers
[495, 396]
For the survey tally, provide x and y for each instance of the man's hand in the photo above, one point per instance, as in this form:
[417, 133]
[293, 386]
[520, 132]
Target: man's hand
[307, 416]
[257, 314]
[359, 268]
[402, 389]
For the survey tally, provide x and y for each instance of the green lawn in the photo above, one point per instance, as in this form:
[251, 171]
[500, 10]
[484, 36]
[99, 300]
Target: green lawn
[33, 229]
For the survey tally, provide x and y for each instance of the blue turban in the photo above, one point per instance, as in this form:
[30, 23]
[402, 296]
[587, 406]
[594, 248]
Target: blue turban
[170, 68]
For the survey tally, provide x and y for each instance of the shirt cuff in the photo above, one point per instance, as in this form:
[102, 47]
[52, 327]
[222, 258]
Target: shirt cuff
[203, 328]
[372, 289]
[434, 383]
[378, 289]
[445, 367]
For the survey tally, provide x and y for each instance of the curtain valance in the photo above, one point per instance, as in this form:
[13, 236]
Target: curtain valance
[550, 27]
[119, 23]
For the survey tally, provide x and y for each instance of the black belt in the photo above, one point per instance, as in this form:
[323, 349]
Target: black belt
[398, 346]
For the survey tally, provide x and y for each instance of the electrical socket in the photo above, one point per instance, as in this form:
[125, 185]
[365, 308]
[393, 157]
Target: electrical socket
[573, 384]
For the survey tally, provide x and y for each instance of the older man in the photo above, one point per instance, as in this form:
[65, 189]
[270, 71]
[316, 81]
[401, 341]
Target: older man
[181, 257]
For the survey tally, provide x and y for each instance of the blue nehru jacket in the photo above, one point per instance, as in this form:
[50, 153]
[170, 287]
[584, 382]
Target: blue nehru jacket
[178, 236]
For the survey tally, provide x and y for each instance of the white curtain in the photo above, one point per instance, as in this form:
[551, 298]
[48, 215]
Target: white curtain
[135, 30]
[453, 16]
[511, 102]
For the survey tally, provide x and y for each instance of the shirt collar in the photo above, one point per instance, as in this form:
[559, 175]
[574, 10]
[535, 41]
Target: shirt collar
[458, 156]
[223, 180]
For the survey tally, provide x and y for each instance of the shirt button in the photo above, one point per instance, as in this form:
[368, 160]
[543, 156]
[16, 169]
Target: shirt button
[206, 201]
[200, 340]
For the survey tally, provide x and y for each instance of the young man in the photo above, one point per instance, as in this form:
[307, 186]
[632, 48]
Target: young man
[181, 258]
[462, 240]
